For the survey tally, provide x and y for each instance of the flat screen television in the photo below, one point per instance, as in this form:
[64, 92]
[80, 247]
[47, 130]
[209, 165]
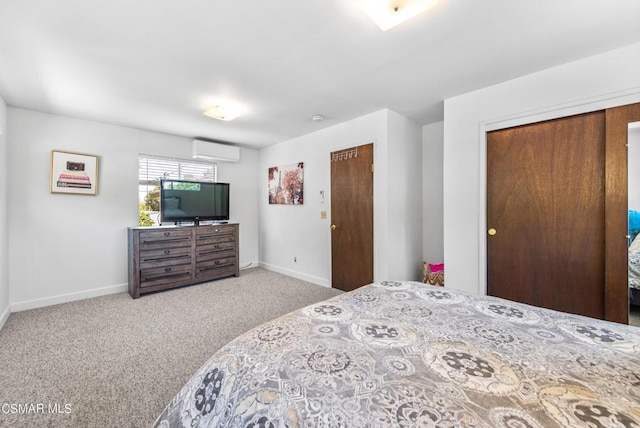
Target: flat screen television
[193, 201]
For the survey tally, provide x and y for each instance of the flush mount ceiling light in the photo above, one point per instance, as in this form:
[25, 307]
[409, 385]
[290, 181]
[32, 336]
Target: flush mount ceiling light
[221, 112]
[389, 13]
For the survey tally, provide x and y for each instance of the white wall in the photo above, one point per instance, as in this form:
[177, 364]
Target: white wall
[432, 192]
[590, 84]
[66, 247]
[243, 202]
[298, 231]
[4, 220]
[404, 163]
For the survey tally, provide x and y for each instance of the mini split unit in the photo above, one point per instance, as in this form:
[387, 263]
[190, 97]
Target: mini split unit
[206, 150]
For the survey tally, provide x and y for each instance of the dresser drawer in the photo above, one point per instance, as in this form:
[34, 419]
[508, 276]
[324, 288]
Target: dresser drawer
[215, 234]
[217, 263]
[211, 240]
[164, 275]
[216, 268]
[215, 251]
[165, 257]
[164, 235]
[157, 239]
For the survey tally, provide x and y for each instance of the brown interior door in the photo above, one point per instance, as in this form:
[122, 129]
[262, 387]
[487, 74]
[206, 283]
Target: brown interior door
[546, 214]
[352, 217]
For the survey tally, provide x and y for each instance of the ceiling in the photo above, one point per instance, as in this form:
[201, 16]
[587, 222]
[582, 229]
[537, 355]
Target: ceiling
[158, 64]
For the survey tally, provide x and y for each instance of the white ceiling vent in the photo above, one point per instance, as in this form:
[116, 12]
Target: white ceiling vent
[215, 151]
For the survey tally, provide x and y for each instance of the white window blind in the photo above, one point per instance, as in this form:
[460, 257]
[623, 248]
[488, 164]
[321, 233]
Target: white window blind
[153, 168]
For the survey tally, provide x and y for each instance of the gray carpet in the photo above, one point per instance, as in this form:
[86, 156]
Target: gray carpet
[115, 362]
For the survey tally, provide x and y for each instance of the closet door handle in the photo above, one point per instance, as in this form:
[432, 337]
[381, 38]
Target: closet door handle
[492, 232]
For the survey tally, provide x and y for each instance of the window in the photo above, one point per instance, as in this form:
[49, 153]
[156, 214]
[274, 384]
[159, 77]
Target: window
[152, 168]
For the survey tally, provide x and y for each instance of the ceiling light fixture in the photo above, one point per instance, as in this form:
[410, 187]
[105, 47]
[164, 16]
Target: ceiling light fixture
[220, 112]
[389, 13]
[317, 118]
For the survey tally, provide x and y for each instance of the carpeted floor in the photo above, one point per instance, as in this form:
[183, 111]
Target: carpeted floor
[115, 362]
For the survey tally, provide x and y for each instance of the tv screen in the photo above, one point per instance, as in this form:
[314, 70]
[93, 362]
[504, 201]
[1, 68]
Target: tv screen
[193, 201]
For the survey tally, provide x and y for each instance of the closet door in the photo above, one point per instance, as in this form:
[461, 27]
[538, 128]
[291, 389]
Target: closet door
[352, 217]
[546, 214]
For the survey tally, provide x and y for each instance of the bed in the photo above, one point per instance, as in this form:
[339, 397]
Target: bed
[634, 271]
[400, 354]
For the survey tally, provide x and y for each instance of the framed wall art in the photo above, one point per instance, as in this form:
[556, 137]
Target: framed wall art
[286, 184]
[74, 173]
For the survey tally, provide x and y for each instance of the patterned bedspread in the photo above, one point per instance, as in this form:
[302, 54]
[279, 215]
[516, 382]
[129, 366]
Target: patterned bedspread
[634, 263]
[401, 354]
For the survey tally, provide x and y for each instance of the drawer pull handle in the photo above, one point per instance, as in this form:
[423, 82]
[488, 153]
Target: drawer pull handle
[167, 233]
[167, 269]
[217, 262]
[217, 230]
[216, 246]
[167, 251]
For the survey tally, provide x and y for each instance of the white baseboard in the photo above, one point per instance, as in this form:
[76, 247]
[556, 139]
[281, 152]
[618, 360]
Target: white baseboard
[5, 316]
[299, 275]
[69, 297]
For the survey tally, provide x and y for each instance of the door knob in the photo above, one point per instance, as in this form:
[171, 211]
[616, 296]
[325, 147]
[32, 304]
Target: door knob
[492, 231]
[333, 227]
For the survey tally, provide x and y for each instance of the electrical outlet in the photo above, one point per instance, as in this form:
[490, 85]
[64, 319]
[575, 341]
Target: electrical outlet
[323, 214]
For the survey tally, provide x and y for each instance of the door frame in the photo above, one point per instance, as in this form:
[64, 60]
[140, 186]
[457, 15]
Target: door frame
[602, 102]
[616, 209]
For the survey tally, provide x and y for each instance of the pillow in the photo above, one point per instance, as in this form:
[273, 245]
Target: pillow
[436, 268]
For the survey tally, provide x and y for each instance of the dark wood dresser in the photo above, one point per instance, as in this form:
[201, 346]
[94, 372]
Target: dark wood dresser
[173, 256]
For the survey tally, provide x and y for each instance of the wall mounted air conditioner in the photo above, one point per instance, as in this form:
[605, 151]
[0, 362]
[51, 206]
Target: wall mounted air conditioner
[206, 150]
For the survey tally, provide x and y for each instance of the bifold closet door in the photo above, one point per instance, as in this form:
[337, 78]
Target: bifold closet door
[546, 214]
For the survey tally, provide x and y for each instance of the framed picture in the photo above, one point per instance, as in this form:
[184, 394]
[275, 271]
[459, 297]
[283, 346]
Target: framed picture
[286, 184]
[74, 173]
